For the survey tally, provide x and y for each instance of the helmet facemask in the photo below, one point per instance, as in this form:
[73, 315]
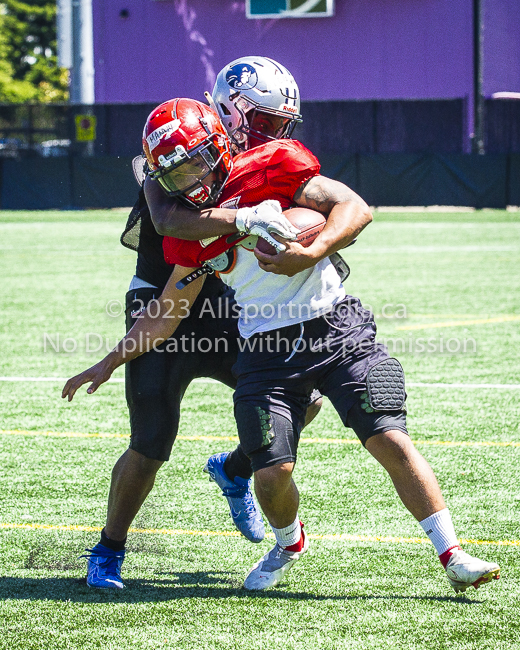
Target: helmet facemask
[182, 174]
[188, 151]
[260, 124]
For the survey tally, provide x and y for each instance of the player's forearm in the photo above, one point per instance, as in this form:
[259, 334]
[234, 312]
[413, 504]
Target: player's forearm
[157, 324]
[159, 321]
[346, 212]
[194, 224]
[344, 223]
[172, 218]
[146, 334]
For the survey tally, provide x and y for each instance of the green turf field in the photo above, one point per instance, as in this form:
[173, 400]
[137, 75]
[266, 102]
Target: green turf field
[447, 282]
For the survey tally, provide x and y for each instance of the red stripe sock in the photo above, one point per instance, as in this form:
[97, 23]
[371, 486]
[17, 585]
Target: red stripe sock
[296, 548]
[445, 557]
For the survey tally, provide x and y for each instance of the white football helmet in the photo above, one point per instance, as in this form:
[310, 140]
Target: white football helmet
[257, 100]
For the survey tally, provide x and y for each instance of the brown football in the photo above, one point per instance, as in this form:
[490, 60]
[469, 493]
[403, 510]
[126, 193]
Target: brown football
[310, 222]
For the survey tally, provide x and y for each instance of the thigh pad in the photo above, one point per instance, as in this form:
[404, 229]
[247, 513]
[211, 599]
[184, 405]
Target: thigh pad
[385, 387]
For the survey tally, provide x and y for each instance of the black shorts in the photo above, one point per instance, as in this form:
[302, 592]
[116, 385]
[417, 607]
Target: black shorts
[206, 345]
[334, 354]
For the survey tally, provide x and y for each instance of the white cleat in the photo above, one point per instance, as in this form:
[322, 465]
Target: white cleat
[268, 571]
[464, 571]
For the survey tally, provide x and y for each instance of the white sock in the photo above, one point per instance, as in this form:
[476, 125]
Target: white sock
[439, 529]
[289, 535]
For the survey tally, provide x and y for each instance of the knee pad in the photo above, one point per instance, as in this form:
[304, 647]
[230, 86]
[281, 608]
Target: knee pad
[266, 437]
[255, 426]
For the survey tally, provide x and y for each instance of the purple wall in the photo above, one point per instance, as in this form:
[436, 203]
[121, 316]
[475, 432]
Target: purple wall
[371, 49]
[501, 46]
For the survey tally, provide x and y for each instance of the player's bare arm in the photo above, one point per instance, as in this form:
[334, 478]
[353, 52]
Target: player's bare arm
[346, 213]
[173, 219]
[264, 219]
[157, 324]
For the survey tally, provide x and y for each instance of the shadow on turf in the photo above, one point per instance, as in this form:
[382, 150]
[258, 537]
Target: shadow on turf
[215, 584]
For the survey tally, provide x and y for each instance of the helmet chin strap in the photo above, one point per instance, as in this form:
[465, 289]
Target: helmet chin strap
[206, 195]
[211, 195]
[210, 101]
[192, 204]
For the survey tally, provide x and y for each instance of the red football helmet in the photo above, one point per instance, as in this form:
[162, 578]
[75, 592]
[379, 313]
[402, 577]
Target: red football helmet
[187, 150]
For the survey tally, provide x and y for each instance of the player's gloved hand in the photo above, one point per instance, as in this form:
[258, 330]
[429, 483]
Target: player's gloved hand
[266, 219]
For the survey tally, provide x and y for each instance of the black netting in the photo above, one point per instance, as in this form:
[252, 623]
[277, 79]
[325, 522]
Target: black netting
[502, 122]
[132, 231]
[398, 152]
[329, 127]
[50, 130]
[492, 180]
[366, 127]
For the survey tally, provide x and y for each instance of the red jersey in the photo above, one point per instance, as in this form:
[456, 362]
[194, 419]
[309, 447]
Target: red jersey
[274, 170]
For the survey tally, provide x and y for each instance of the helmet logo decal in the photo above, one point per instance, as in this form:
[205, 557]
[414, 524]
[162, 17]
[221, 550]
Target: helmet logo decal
[231, 204]
[242, 77]
[175, 157]
[163, 131]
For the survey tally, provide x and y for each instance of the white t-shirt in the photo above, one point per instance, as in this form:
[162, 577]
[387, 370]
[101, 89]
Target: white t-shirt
[269, 301]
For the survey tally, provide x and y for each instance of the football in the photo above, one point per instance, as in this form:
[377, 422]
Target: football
[310, 222]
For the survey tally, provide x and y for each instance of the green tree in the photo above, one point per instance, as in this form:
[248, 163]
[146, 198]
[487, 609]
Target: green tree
[12, 90]
[28, 62]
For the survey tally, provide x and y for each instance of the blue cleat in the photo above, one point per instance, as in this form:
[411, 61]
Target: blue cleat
[104, 567]
[243, 510]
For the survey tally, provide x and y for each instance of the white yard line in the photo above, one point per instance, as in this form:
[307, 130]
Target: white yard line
[57, 379]
[207, 380]
[455, 249]
[420, 384]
